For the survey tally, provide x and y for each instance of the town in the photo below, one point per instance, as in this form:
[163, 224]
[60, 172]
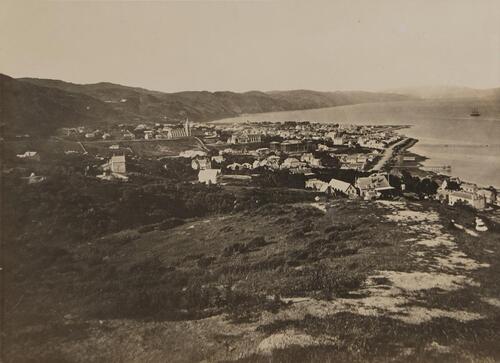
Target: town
[334, 160]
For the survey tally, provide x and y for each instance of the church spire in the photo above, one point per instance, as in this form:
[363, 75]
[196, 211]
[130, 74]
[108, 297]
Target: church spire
[186, 127]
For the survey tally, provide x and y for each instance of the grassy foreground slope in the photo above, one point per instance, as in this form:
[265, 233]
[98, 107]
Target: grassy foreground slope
[335, 281]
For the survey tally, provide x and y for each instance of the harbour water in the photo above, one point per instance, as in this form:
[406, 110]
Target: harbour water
[447, 134]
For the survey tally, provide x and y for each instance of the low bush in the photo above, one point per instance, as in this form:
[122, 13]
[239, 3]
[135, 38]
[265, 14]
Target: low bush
[329, 283]
[256, 242]
[147, 228]
[205, 261]
[234, 249]
[226, 229]
[270, 263]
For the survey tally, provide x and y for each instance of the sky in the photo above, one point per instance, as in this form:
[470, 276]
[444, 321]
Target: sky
[254, 45]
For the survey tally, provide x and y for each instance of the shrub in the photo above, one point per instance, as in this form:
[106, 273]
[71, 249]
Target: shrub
[256, 242]
[328, 282]
[205, 261]
[270, 263]
[226, 229]
[147, 228]
[298, 255]
[234, 249]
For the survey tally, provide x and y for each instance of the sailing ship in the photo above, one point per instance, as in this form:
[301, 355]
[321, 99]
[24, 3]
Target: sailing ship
[475, 112]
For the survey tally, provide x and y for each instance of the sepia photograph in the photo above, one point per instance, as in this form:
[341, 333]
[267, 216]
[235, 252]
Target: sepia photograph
[269, 181]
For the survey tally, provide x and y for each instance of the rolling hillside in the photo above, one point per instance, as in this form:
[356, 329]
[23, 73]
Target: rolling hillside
[203, 105]
[31, 109]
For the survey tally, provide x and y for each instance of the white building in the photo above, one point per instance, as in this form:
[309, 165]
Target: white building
[218, 159]
[115, 169]
[343, 187]
[244, 138]
[338, 140]
[117, 164]
[29, 155]
[489, 195]
[289, 163]
[201, 163]
[474, 200]
[209, 176]
[192, 153]
[315, 184]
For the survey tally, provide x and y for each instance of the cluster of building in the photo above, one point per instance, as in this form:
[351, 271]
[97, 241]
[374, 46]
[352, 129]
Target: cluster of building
[376, 137]
[298, 147]
[367, 188]
[304, 148]
[84, 133]
[357, 161]
[295, 138]
[165, 131]
[244, 137]
[156, 131]
[300, 142]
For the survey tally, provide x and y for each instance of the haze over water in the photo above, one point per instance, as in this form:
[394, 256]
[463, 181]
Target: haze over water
[447, 134]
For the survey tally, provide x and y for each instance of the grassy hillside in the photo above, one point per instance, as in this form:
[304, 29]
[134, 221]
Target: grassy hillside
[203, 105]
[33, 109]
[299, 281]
[161, 269]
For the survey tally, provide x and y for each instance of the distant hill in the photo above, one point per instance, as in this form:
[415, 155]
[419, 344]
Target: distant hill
[408, 112]
[448, 92]
[38, 106]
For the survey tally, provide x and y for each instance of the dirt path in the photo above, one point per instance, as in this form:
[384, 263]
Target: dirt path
[438, 264]
[388, 153]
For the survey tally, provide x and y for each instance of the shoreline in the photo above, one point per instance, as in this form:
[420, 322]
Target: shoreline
[417, 168]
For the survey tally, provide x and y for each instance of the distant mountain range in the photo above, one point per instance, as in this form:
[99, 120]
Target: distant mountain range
[448, 92]
[39, 106]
